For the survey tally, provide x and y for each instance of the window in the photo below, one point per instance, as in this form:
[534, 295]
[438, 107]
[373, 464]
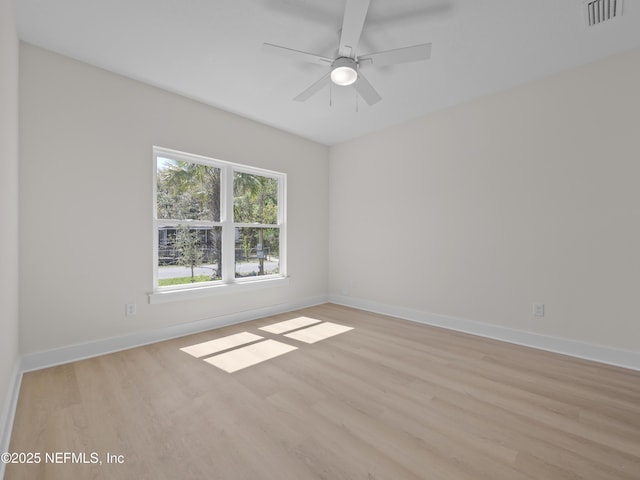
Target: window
[216, 223]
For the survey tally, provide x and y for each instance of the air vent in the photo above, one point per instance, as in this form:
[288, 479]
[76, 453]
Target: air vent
[599, 11]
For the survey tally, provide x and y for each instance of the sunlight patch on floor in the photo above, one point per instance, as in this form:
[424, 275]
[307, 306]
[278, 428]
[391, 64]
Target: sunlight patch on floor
[250, 355]
[289, 325]
[219, 344]
[318, 332]
[242, 350]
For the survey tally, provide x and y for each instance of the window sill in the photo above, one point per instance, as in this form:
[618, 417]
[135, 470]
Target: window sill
[165, 296]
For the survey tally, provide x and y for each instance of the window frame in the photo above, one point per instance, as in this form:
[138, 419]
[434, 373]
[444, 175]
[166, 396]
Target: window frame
[228, 227]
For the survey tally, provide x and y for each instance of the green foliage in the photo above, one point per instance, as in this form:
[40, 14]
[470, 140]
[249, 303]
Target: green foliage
[191, 191]
[188, 245]
[188, 191]
[255, 199]
[163, 282]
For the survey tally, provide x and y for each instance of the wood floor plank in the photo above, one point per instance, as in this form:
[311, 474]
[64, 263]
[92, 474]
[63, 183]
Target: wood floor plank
[389, 399]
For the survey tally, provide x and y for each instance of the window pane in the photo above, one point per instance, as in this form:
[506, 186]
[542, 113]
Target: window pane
[255, 199]
[187, 191]
[188, 254]
[257, 251]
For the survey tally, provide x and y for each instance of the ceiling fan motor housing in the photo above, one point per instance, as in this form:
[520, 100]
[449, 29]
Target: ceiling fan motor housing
[344, 71]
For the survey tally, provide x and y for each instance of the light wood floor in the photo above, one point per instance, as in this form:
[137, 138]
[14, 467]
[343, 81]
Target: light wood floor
[387, 400]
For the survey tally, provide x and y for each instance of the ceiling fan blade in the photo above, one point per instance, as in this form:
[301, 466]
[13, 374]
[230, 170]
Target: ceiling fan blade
[399, 55]
[366, 90]
[354, 14]
[296, 54]
[316, 87]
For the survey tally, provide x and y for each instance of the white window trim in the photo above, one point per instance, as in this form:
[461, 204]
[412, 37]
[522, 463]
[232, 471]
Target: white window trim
[228, 283]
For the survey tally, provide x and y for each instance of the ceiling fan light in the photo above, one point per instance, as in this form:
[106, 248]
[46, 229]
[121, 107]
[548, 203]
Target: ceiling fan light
[344, 71]
[343, 76]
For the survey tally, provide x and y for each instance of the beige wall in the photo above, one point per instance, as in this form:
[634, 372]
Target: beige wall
[8, 204]
[86, 201]
[476, 212]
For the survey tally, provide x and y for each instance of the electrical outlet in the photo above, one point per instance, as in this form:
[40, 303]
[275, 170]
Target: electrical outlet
[538, 309]
[130, 309]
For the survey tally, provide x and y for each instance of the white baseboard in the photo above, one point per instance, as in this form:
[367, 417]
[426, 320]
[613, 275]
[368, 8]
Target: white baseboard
[8, 412]
[587, 351]
[71, 353]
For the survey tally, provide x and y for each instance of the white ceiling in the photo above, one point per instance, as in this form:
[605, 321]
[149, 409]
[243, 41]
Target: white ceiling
[210, 50]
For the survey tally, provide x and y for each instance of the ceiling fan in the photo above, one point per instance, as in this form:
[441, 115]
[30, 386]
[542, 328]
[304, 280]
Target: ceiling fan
[345, 68]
